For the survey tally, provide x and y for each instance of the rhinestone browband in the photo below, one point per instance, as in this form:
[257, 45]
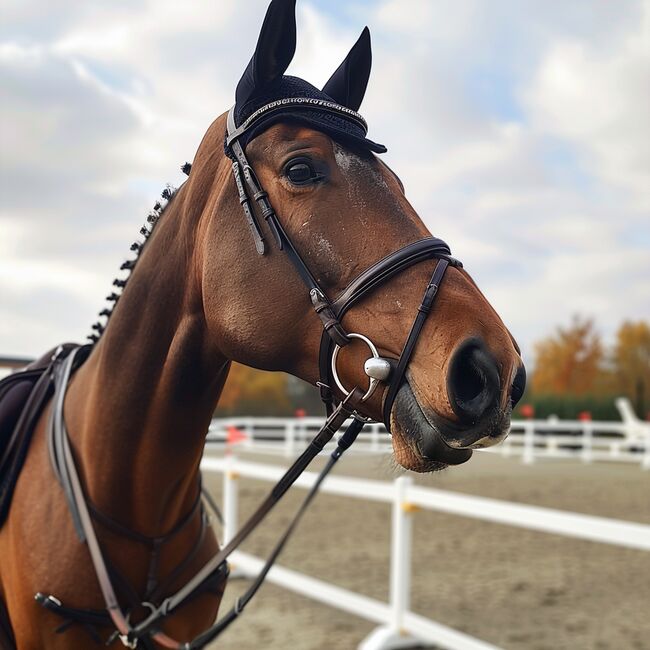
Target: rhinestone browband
[302, 102]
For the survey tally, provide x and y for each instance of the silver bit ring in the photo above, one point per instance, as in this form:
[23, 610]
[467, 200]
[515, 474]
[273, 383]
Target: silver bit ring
[372, 381]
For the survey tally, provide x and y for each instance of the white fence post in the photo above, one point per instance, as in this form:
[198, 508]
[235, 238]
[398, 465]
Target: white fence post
[646, 456]
[230, 506]
[529, 442]
[587, 441]
[393, 636]
[374, 437]
[249, 431]
[301, 431]
[290, 438]
[230, 490]
[400, 560]
[506, 445]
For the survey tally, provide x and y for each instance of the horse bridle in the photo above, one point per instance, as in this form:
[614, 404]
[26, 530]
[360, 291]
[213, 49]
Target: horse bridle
[334, 337]
[329, 311]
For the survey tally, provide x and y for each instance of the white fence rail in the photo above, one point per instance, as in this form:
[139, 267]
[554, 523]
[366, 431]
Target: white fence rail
[399, 627]
[587, 441]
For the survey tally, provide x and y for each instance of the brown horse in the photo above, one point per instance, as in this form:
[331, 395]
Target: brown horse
[200, 297]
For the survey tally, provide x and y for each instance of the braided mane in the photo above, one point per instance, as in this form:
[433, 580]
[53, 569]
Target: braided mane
[137, 247]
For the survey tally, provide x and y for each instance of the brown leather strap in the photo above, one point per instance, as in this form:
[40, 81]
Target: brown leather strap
[344, 410]
[318, 297]
[248, 213]
[425, 307]
[388, 267]
[81, 515]
[212, 633]
[77, 501]
[373, 277]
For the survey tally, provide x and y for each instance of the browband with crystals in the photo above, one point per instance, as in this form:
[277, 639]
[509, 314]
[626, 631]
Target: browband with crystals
[301, 102]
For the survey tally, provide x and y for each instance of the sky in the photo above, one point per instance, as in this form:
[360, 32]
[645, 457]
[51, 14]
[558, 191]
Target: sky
[519, 127]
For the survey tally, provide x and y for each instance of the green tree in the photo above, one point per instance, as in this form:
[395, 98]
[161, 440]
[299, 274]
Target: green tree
[254, 392]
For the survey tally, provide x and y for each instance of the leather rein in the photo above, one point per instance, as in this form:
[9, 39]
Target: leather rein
[334, 337]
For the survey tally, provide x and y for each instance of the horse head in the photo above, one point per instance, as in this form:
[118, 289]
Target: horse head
[340, 209]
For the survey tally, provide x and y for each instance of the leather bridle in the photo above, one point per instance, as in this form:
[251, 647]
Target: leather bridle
[334, 337]
[331, 312]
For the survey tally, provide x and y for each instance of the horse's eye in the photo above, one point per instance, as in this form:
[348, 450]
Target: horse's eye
[300, 172]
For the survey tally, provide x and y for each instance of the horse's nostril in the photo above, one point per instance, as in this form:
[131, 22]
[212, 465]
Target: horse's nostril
[518, 385]
[473, 381]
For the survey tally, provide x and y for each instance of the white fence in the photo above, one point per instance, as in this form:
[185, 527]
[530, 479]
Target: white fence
[586, 440]
[624, 441]
[398, 626]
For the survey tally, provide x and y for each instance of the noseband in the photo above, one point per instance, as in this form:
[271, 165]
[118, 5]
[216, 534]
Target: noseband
[331, 312]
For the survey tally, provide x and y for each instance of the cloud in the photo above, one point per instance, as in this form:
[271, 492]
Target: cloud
[517, 127]
[597, 98]
[539, 180]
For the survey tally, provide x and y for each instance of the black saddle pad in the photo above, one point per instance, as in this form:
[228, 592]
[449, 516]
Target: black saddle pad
[23, 396]
[14, 392]
[18, 414]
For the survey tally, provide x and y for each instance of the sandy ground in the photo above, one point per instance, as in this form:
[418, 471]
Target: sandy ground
[515, 588]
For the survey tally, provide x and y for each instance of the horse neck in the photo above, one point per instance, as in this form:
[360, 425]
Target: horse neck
[138, 410]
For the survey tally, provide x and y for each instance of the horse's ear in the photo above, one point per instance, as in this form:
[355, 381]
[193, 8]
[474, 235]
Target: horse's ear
[348, 84]
[276, 46]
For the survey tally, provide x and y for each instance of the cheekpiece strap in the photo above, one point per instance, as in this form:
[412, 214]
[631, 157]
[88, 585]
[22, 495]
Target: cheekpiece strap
[249, 186]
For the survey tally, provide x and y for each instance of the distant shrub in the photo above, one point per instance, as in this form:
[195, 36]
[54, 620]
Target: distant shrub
[568, 407]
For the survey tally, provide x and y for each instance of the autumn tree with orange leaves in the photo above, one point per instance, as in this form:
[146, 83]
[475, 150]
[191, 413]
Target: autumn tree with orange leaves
[631, 362]
[574, 371]
[570, 361]
[254, 391]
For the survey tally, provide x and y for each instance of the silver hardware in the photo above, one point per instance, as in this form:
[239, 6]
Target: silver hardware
[377, 368]
[124, 638]
[57, 353]
[375, 355]
[126, 642]
[317, 298]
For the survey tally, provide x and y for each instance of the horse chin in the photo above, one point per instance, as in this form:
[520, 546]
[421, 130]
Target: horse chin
[425, 442]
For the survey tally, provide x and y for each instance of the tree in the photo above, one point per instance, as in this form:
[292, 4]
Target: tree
[254, 392]
[570, 361]
[631, 361]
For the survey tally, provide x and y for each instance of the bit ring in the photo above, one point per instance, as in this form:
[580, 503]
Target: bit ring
[372, 381]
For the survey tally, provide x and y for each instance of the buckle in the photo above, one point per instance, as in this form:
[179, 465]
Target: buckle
[127, 641]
